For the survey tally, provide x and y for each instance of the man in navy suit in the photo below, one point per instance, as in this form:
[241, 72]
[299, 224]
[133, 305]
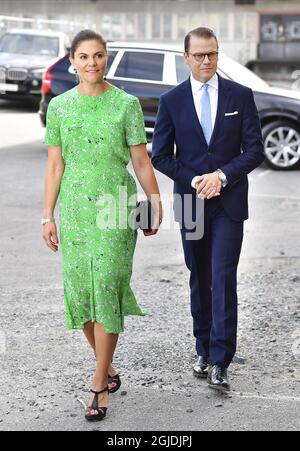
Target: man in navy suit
[215, 126]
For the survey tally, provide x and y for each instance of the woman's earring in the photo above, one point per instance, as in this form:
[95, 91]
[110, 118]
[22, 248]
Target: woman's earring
[77, 76]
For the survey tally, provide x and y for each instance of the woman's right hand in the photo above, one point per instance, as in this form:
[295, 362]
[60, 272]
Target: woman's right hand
[50, 236]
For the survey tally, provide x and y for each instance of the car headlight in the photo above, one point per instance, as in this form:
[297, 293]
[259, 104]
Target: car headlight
[37, 73]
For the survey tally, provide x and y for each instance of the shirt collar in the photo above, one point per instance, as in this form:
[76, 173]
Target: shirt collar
[197, 85]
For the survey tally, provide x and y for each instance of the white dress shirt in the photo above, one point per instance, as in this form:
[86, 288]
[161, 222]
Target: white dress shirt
[213, 91]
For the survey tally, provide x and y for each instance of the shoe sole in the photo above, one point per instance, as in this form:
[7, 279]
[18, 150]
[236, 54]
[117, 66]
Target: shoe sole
[219, 388]
[95, 419]
[199, 375]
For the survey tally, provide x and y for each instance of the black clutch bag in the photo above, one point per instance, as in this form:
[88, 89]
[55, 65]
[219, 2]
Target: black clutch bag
[143, 216]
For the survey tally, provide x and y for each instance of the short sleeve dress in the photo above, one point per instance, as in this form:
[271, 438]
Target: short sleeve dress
[97, 243]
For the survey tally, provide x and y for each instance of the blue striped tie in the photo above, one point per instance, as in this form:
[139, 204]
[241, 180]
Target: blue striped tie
[206, 122]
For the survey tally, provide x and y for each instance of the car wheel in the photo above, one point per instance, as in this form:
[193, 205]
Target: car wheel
[282, 145]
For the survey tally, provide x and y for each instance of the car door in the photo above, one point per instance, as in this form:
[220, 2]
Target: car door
[141, 73]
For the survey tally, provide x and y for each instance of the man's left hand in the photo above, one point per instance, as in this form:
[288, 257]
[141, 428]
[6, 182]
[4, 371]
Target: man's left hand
[208, 185]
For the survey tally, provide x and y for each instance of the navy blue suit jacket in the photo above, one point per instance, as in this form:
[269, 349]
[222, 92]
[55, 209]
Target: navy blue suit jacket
[236, 145]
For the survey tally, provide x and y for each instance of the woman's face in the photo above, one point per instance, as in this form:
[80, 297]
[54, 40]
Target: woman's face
[90, 60]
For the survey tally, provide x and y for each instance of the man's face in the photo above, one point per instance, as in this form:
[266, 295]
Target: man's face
[202, 69]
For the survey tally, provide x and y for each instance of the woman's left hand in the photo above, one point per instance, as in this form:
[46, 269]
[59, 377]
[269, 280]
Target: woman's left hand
[158, 218]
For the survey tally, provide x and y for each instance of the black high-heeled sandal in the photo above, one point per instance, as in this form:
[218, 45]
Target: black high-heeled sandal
[114, 380]
[101, 410]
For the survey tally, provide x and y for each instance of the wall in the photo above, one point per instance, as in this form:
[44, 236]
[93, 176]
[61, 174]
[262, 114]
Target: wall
[155, 21]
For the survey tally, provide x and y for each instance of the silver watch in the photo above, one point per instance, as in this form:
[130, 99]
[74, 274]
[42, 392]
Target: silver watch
[222, 177]
[46, 220]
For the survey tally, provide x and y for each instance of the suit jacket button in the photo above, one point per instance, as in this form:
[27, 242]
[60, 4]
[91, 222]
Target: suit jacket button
[209, 153]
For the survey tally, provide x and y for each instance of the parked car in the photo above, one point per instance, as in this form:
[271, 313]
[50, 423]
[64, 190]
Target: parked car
[147, 71]
[24, 56]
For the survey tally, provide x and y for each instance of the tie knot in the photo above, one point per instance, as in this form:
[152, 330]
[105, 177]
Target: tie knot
[205, 86]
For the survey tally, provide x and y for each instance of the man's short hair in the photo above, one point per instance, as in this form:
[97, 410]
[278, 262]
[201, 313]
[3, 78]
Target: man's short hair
[201, 32]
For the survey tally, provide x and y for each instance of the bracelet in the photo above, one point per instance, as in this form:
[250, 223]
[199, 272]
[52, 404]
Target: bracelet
[46, 220]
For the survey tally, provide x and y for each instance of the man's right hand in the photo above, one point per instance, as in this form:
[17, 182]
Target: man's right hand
[210, 185]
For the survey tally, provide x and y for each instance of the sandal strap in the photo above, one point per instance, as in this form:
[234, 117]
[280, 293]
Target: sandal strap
[114, 378]
[99, 392]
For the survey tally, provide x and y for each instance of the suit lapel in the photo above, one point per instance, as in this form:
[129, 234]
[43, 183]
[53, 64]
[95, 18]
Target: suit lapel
[191, 111]
[223, 98]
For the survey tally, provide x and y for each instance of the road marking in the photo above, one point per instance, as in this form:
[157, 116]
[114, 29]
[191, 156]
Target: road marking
[263, 173]
[274, 196]
[265, 397]
[233, 394]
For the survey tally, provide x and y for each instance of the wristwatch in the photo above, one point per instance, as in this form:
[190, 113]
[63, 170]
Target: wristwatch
[46, 220]
[222, 177]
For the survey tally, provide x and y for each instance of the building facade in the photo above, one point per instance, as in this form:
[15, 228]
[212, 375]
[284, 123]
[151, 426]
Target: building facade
[240, 24]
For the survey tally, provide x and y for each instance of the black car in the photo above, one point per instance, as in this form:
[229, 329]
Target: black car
[24, 56]
[147, 71]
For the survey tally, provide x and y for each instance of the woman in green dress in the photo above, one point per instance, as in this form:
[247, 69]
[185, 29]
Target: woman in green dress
[92, 132]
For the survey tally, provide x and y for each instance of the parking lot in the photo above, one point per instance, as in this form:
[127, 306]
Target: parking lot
[42, 364]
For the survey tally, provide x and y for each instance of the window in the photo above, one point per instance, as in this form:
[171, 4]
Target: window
[252, 23]
[130, 26]
[183, 25]
[167, 26]
[213, 21]
[111, 57]
[105, 26]
[182, 69]
[141, 65]
[141, 26]
[292, 28]
[239, 26]
[156, 21]
[116, 26]
[224, 27]
[29, 44]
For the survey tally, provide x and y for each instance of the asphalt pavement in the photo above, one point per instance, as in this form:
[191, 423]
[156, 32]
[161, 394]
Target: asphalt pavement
[46, 370]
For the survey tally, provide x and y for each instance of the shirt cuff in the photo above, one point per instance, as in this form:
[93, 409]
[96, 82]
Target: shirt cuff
[193, 183]
[223, 178]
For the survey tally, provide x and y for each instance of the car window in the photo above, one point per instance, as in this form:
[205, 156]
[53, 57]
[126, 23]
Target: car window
[111, 57]
[182, 69]
[29, 44]
[141, 65]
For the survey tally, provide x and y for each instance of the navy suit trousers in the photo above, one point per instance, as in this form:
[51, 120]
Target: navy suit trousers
[213, 263]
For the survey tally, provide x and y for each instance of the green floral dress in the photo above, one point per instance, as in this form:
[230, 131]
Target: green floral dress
[95, 133]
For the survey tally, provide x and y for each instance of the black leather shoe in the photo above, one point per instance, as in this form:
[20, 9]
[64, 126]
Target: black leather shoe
[218, 379]
[201, 367]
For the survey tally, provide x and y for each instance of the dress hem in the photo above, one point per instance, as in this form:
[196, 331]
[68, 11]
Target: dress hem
[94, 320]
